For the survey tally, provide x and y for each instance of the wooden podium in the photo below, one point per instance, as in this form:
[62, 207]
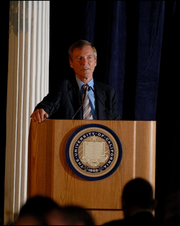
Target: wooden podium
[50, 174]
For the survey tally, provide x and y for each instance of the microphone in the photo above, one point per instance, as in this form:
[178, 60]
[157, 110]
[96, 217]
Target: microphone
[102, 103]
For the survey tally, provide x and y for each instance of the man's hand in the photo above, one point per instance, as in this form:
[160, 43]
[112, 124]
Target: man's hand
[39, 115]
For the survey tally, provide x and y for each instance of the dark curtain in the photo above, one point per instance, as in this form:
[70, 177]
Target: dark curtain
[138, 54]
[151, 22]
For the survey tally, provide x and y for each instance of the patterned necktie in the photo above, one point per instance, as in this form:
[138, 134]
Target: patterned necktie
[87, 114]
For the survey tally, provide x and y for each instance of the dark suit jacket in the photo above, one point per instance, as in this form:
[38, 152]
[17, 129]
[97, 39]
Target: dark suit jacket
[142, 218]
[65, 101]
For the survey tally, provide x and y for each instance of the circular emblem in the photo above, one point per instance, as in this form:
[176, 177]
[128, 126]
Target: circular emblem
[93, 152]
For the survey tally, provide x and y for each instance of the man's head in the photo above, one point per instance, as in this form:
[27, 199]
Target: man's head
[80, 44]
[35, 210]
[83, 59]
[137, 195]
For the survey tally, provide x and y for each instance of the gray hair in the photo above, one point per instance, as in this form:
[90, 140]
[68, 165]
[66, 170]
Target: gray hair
[80, 44]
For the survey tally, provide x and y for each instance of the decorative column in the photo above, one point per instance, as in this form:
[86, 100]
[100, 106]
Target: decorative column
[28, 81]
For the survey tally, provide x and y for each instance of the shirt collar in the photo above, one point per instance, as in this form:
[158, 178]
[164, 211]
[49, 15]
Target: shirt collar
[80, 83]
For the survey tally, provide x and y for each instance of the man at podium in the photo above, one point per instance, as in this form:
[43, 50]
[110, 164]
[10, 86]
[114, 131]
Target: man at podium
[81, 97]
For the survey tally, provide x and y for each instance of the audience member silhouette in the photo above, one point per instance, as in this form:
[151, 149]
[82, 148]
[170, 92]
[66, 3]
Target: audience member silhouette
[137, 204]
[41, 210]
[35, 210]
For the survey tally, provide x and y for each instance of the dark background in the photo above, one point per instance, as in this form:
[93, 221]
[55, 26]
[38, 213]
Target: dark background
[152, 94]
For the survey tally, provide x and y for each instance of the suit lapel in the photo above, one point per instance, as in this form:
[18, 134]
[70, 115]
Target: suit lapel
[100, 100]
[75, 98]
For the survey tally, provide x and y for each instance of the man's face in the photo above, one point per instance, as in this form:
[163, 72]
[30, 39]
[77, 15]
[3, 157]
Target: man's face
[83, 62]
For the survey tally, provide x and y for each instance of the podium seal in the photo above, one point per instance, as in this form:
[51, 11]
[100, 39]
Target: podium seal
[93, 152]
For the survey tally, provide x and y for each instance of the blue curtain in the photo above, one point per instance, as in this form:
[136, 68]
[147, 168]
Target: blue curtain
[151, 23]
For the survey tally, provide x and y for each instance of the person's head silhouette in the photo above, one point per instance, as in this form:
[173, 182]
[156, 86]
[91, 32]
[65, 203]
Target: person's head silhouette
[137, 196]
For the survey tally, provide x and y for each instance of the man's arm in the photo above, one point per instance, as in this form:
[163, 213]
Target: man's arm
[47, 106]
